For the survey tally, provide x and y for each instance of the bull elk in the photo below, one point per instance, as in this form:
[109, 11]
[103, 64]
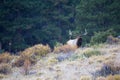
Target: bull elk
[76, 42]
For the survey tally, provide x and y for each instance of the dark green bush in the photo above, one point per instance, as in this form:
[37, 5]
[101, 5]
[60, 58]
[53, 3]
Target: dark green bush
[100, 37]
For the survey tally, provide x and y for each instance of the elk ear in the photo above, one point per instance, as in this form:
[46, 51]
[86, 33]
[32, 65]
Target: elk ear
[79, 42]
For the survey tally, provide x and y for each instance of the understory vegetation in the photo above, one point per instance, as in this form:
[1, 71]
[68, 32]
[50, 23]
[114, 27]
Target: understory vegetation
[27, 23]
[104, 56]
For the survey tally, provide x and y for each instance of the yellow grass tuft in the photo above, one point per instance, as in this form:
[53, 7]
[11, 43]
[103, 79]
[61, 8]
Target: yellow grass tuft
[114, 50]
[85, 78]
[5, 57]
[32, 54]
[99, 59]
[113, 77]
[64, 49]
[51, 61]
[38, 50]
[92, 52]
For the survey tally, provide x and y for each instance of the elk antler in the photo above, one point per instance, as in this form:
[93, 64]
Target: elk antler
[85, 32]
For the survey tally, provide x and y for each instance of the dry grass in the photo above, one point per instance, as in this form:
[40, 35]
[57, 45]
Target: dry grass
[32, 54]
[114, 50]
[101, 78]
[91, 52]
[85, 78]
[109, 58]
[5, 68]
[52, 60]
[2, 76]
[5, 57]
[26, 66]
[113, 77]
[114, 65]
[112, 40]
[99, 59]
[22, 58]
[38, 50]
[81, 51]
[78, 61]
[64, 49]
[96, 46]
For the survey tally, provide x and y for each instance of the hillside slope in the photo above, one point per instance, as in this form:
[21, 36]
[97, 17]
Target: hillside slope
[88, 63]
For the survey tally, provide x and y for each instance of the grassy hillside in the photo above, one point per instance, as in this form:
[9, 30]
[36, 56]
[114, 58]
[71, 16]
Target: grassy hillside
[98, 62]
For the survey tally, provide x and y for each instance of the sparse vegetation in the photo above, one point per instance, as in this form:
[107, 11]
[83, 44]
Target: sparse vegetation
[114, 65]
[32, 54]
[113, 77]
[101, 78]
[99, 59]
[85, 78]
[93, 52]
[5, 57]
[52, 61]
[2, 76]
[37, 50]
[96, 62]
[64, 49]
[112, 40]
[76, 56]
[21, 59]
[96, 46]
[26, 66]
[5, 68]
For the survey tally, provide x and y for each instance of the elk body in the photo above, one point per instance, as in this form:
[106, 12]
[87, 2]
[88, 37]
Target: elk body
[75, 42]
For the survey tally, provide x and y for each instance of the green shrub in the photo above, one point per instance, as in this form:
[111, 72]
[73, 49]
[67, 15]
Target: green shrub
[90, 53]
[57, 44]
[101, 37]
